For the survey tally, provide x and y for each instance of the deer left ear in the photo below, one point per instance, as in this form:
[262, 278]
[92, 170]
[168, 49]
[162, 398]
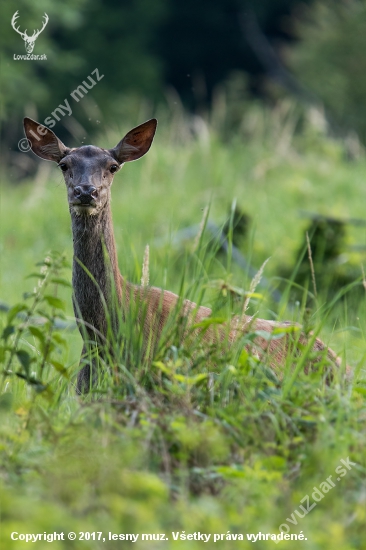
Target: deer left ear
[136, 143]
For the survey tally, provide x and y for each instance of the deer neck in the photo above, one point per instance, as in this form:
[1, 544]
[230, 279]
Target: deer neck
[97, 282]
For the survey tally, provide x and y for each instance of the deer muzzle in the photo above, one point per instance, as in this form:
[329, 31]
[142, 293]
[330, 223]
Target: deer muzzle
[85, 195]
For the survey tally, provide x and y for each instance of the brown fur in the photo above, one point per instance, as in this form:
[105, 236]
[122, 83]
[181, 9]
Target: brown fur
[88, 172]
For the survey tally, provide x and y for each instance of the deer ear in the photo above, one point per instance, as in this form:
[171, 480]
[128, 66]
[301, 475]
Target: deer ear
[44, 143]
[136, 143]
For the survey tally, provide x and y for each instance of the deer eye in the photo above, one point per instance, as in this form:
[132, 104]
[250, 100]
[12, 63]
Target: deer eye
[63, 166]
[113, 168]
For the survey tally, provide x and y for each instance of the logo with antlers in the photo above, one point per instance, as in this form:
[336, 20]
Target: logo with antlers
[28, 40]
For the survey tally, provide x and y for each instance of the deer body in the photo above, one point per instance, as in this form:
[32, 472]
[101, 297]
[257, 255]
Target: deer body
[98, 285]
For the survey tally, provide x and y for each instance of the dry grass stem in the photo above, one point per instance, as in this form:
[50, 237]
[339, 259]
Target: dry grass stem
[145, 267]
[253, 285]
[311, 264]
[200, 230]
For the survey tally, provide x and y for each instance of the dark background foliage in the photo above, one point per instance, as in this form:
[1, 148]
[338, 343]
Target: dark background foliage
[141, 47]
[313, 49]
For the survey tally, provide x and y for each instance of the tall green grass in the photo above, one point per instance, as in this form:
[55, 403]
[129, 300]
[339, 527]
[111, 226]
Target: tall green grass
[184, 444]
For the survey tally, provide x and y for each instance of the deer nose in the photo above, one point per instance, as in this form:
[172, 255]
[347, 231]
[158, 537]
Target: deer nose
[85, 194]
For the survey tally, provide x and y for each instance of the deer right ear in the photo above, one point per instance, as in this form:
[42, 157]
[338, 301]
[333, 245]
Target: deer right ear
[44, 143]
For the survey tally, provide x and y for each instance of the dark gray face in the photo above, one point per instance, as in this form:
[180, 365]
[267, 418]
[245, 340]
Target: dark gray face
[89, 170]
[88, 173]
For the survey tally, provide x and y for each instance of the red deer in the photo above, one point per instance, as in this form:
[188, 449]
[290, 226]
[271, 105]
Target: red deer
[88, 172]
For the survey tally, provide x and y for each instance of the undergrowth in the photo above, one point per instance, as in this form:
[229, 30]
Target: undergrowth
[188, 442]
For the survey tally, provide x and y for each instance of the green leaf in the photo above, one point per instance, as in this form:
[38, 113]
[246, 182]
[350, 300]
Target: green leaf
[54, 302]
[24, 359]
[243, 358]
[284, 330]
[254, 295]
[8, 331]
[13, 312]
[37, 333]
[191, 380]
[209, 321]
[56, 337]
[60, 281]
[60, 368]
[160, 365]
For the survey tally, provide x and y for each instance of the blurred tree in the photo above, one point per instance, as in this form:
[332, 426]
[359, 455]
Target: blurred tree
[201, 43]
[81, 35]
[30, 81]
[29, 86]
[117, 37]
[138, 46]
[329, 58]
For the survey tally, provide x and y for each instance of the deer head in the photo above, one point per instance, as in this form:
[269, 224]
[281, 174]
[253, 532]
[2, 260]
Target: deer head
[29, 40]
[88, 170]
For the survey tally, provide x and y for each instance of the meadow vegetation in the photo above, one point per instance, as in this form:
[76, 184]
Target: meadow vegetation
[184, 444]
